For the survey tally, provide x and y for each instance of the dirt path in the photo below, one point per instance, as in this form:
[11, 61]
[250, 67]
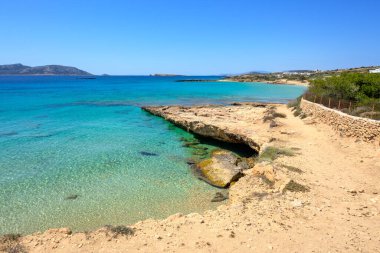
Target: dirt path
[340, 213]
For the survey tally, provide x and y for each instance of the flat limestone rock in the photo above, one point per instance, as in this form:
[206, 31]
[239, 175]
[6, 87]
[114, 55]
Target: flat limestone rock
[221, 169]
[240, 123]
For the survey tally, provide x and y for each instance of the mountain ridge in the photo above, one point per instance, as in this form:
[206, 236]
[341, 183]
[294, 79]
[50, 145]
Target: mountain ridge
[46, 70]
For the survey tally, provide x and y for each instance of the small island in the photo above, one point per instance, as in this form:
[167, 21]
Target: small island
[48, 70]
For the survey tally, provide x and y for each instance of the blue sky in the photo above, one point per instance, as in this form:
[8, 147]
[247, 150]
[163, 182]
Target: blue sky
[190, 36]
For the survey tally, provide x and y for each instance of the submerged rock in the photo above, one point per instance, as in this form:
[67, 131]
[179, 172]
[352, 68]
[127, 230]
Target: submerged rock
[199, 152]
[219, 197]
[72, 197]
[191, 161]
[221, 169]
[144, 153]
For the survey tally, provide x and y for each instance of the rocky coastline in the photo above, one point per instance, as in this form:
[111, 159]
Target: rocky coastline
[249, 79]
[223, 167]
[305, 180]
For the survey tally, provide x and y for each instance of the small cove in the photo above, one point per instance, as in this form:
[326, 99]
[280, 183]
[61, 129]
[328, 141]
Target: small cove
[80, 153]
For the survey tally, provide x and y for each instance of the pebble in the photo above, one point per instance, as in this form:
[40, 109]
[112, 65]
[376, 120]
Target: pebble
[297, 203]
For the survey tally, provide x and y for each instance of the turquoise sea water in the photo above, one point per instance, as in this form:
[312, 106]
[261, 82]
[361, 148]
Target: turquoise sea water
[88, 140]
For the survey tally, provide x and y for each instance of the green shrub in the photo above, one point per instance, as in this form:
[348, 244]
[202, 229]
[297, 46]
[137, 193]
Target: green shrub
[362, 88]
[120, 230]
[292, 168]
[272, 153]
[293, 186]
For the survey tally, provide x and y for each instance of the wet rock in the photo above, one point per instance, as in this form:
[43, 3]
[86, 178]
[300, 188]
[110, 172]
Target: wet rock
[246, 163]
[221, 169]
[144, 153]
[199, 152]
[200, 148]
[191, 161]
[219, 197]
[190, 143]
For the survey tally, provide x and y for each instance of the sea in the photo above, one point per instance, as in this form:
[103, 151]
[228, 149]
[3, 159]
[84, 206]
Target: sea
[81, 153]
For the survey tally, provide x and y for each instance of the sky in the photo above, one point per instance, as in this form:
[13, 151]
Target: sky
[193, 37]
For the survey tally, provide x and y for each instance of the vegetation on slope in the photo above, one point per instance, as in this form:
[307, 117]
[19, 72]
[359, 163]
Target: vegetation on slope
[362, 88]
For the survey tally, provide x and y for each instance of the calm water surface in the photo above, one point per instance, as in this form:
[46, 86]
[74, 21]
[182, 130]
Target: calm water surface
[81, 153]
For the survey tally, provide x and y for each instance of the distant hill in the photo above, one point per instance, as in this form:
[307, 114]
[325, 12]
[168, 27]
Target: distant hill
[48, 70]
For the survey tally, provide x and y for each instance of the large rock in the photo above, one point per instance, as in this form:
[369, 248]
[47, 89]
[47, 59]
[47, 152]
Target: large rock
[240, 124]
[222, 168]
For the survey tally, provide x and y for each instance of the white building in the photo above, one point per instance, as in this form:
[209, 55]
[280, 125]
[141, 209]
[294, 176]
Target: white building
[374, 71]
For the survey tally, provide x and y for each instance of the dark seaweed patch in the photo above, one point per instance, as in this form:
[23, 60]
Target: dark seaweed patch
[93, 103]
[10, 133]
[144, 153]
[103, 103]
[72, 197]
[41, 136]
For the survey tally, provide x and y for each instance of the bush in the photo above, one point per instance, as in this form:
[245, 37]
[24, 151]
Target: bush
[292, 168]
[294, 103]
[120, 230]
[293, 186]
[272, 153]
[362, 88]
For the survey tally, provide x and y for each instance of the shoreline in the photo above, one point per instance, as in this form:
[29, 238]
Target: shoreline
[267, 194]
[277, 82]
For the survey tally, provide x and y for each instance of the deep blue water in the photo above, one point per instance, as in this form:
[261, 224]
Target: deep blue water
[89, 139]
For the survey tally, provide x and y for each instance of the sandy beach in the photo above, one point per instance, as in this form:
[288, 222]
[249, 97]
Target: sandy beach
[336, 209]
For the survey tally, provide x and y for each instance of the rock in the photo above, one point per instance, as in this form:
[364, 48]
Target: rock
[72, 197]
[266, 170]
[246, 163]
[65, 231]
[219, 197]
[199, 152]
[200, 124]
[190, 144]
[296, 203]
[273, 124]
[221, 169]
[144, 153]
[191, 161]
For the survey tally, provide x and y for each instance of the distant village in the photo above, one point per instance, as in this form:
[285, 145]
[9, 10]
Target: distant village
[300, 76]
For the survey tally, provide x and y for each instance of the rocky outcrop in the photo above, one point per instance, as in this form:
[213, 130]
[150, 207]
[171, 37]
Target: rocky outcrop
[222, 169]
[220, 122]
